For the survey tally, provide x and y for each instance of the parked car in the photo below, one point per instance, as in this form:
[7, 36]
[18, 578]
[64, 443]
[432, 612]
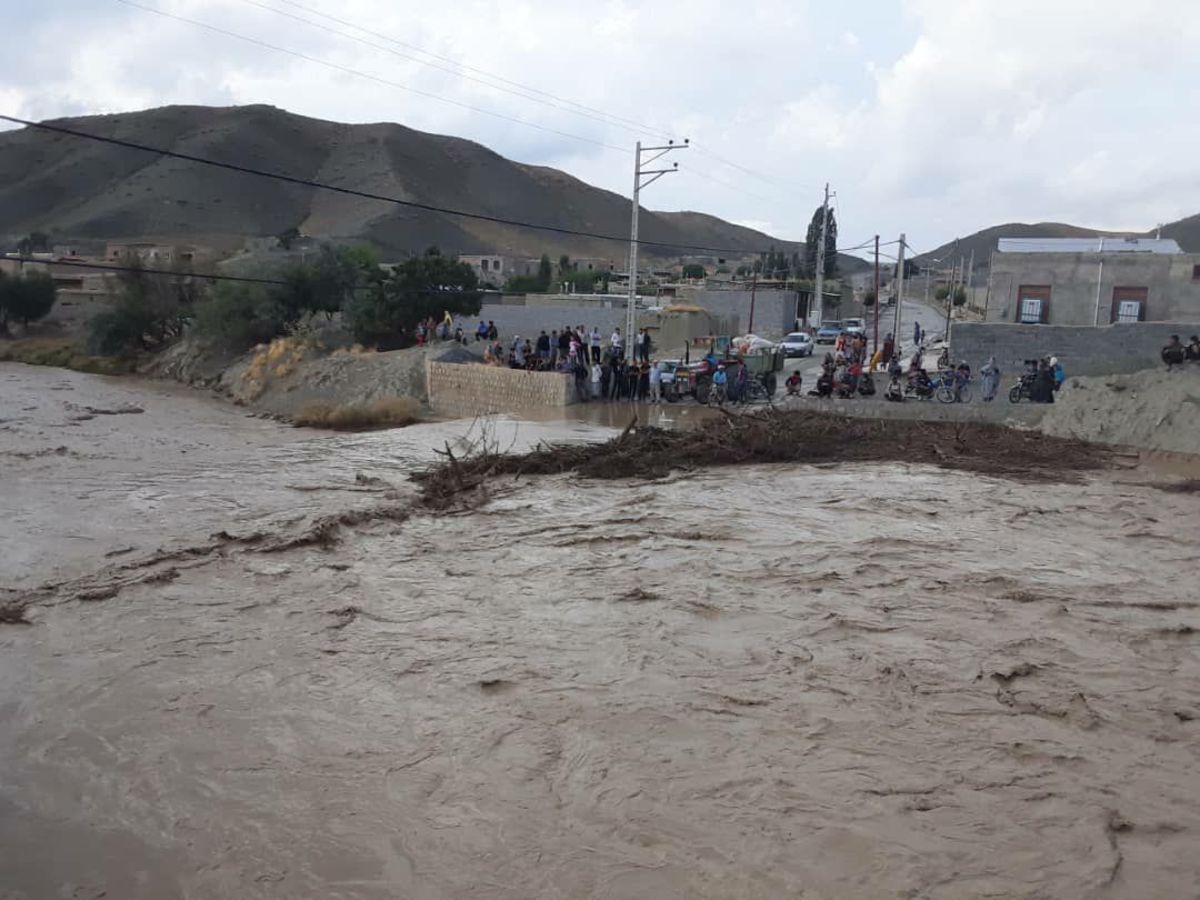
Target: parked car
[797, 344]
[854, 326]
[828, 332]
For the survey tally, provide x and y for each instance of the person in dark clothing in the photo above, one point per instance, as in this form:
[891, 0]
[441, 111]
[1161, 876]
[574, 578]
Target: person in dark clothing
[543, 346]
[493, 332]
[605, 379]
[643, 382]
[632, 374]
[564, 343]
[1043, 383]
[1191, 352]
[645, 345]
[618, 379]
[1174, 353]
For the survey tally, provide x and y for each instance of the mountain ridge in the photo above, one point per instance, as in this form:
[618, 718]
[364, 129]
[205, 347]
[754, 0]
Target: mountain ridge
[82, 189]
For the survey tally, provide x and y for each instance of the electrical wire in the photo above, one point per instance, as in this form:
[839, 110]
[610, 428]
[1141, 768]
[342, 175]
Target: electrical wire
[107, 267]
[522, 93]
[410, 204]
[384, 81]
[641, 126]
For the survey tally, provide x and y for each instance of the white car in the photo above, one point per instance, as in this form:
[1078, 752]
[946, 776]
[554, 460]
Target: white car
[797, 344]
[854, 326]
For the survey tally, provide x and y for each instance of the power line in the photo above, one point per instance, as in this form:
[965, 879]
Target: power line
[649, 129]
[411, 204]
[518, 90]
[462, 70]
[349, 71]
[142, 269]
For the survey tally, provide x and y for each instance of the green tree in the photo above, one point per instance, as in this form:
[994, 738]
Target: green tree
[960, 296]
[386, 313]
[869, 299]
[565, 269]
[941, 294]
[239, 315]
[25, 298]
[147, 313]
[35, 242]
[695, 270]
[327, 284]
[545, 273]
[812, 242]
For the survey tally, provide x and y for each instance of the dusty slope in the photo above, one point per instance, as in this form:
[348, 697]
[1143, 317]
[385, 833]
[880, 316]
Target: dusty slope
[86, 189]
[1154, 409]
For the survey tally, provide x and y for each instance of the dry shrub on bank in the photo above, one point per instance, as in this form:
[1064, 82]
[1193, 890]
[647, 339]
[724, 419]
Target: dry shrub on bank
[386, 412]
[64, 353]
[778, 436]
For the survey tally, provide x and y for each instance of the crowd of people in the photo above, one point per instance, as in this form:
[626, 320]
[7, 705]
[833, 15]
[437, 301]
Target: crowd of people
[601, 370]
[1176, 353]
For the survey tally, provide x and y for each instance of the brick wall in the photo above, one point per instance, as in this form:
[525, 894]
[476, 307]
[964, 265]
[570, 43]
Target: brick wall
[472, 389]
[1082, 350]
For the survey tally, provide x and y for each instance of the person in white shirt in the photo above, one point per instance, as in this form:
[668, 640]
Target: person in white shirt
[615, 343]
[596, 374]
[595, 343]
[656, 383]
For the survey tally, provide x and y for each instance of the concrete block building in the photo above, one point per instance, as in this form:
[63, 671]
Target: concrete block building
[1092, 281]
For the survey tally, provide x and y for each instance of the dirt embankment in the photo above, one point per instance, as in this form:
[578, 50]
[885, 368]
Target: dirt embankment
[1154, 409]
[290, 379]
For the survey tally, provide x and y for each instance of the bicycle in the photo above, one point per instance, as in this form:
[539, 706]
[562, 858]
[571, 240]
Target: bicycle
[954, 389]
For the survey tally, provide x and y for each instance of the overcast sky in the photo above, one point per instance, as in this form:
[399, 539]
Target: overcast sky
[934, 117]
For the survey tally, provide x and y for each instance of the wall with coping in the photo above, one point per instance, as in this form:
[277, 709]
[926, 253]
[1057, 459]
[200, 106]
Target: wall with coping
[464, 390]
[1082, 350]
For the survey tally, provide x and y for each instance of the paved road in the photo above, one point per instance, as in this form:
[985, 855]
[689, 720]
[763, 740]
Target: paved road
[930, 319]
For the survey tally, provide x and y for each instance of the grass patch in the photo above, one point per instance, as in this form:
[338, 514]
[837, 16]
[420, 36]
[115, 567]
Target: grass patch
[63, 353]
[386, 412]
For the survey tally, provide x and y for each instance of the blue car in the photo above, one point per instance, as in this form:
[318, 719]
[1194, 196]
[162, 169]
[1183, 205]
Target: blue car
[828, 332]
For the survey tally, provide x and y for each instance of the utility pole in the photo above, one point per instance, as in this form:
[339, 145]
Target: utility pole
[971, 279]
[753, 291]
[876, 346]
[820, 286]
[649, 176]
[899, 295]
[950, 298]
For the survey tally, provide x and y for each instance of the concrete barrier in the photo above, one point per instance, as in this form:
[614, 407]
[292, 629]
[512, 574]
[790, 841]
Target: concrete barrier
[1082, 349]
[472, 389]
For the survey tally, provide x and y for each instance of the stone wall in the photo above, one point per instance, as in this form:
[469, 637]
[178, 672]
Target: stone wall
[472, 389]
[1082, 350]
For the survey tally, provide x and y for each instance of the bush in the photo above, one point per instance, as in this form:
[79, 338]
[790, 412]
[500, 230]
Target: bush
[62, 353]
[25, 298]
[960, 296]
[238, 316]
[941, 294]
[386, 412]
[869, 299]
[149, 312]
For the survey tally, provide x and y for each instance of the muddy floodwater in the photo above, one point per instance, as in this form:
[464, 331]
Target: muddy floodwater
[250, 669]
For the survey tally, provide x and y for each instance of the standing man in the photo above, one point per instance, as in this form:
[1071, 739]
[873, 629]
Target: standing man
[916, 333]
[595, 344]
[615, 343]
[645, 345]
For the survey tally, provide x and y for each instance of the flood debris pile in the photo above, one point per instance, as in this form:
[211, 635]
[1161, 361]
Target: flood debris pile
[769, 437]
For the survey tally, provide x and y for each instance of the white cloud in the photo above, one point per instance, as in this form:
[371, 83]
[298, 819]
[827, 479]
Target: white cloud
[931, 116]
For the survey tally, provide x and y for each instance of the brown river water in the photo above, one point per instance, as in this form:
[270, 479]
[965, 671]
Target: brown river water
[870, 681]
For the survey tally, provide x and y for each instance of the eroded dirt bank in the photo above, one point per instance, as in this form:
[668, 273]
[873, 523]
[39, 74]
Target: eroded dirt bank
[836, 681]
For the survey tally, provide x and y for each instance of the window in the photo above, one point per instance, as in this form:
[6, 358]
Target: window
[1129, 304]
[483, 264]
[1195, 273]
[1033, 304]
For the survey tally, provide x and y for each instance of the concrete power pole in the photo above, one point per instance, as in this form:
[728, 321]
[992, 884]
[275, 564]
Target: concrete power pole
[640, 173]
[820, 286]
[876, 304]
[899, 292]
